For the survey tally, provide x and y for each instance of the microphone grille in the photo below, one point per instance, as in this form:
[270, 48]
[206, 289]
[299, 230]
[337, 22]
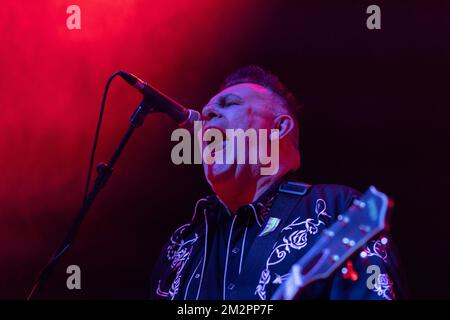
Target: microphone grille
[193, 116]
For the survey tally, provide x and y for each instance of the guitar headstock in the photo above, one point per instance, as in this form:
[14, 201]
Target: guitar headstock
[366, 218]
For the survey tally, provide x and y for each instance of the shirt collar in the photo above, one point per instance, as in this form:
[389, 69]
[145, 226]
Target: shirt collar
[259, 208]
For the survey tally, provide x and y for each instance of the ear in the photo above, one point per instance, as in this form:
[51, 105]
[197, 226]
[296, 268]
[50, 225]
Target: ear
[285, 124]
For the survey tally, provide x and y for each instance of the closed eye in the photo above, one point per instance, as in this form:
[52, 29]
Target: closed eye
[230, 103]
[230, 100]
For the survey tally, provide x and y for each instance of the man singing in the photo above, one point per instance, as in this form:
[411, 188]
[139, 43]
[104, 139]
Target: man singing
[242, 241]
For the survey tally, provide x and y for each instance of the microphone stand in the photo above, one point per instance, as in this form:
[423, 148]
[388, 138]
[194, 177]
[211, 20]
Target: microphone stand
[104, 172]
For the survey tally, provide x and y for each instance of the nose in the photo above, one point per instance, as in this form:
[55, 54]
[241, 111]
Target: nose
[209, 112]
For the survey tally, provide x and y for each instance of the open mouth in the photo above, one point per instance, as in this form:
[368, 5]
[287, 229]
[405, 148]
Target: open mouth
[222, 131]
[218, 143]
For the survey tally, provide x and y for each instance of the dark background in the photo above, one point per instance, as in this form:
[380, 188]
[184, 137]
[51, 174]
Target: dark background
[376, 112]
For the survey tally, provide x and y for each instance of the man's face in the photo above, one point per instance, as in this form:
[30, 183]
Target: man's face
[242, 106]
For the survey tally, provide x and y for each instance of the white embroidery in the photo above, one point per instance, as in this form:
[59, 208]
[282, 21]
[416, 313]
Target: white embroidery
[297, 240]
[378, 249]
[383, 287]
[178, 253]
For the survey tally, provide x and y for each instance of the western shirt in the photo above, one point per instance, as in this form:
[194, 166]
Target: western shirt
[247, 255]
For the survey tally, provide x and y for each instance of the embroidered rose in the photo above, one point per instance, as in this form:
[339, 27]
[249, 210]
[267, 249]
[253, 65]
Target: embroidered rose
[384, 287]
[383, 280]
[298, 239]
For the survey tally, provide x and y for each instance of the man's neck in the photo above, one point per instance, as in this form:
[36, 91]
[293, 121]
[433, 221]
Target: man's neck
[239, 192]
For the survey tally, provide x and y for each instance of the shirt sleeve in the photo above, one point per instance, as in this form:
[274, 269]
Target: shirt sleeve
[159, 269]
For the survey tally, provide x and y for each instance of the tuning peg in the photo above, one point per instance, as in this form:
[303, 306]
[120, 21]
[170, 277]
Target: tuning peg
[359, 203]
[328, 233]
[348, 242]
[335, 258]
[364, 229]
[343, 219]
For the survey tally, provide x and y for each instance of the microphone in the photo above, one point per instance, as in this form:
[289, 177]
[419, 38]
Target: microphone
[162, 103]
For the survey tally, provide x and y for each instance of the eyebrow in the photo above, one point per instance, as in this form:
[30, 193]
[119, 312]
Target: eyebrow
[222, 99]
